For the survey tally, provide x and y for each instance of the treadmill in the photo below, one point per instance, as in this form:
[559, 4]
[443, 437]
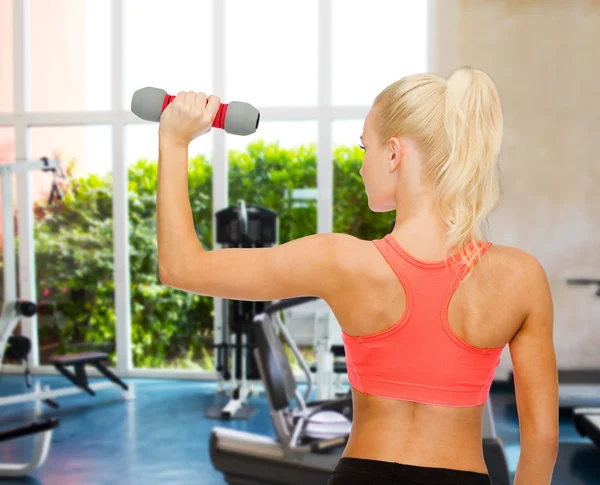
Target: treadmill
[581, 388]
[587, 423]
[302, 452]
[577, 389]
[587, 419]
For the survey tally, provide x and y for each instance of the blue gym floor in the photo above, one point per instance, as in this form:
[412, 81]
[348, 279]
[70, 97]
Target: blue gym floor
[161, 437]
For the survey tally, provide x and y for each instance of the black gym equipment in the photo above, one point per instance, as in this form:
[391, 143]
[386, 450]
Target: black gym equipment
[43, 437]
[241, 226]
[78, 376]
[341, 404]
[18, 347]
[587, 419]
[586, 282]
[587, 423]
[302, 453]
[578, 388]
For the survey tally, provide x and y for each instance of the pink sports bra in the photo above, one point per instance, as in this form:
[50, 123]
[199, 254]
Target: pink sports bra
[420, 358]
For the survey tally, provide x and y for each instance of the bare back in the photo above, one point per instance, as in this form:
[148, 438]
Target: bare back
[486, 311]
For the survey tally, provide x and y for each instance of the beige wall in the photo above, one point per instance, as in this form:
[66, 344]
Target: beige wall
[544, 56]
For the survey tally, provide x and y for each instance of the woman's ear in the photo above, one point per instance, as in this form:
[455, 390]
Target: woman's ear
[396, 152]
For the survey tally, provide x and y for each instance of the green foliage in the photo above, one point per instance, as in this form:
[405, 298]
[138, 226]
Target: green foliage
[351, 213]
[266, 174]
[74, 247]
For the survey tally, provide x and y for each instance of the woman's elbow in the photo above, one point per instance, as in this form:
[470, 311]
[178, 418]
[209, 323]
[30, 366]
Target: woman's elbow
[165, 275]
[541, 438]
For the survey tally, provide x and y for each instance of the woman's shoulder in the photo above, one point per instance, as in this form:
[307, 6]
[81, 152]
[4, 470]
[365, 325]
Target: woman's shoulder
[512, 255]
[517, 264]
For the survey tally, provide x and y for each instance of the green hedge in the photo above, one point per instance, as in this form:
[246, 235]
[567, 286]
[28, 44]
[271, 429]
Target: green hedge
[74, 248]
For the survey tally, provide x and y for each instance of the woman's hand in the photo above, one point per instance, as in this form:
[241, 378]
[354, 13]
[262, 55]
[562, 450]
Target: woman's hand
[188, 116]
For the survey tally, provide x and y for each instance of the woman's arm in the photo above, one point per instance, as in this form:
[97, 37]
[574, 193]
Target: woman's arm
[536, 385]
[309, 266]
[189, 116]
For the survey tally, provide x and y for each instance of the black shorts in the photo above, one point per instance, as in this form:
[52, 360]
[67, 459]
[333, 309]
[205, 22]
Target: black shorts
[356, 471]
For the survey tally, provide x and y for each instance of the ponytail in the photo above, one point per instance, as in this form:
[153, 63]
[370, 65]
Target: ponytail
[466, 182]
[457, 124]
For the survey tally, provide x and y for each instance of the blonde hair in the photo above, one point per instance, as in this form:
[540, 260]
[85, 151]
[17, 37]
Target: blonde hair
[457, 124]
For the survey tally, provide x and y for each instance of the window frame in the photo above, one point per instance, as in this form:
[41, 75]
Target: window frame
[324, 113]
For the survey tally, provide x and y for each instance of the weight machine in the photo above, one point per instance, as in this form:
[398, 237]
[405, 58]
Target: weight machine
[240, 226]
[13, 310]
[587, 419]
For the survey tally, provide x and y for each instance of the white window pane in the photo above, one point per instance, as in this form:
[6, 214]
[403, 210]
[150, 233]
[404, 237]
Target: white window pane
[347, 132]
[74, 240]
[167, 331]
[99, 149]
[167, 45]
[6, 56]
[289, 134]
[7, 143]
[7, 155]
[375, 43]
[271, 52]
[69, 55]
[90, 147]
[141, 141]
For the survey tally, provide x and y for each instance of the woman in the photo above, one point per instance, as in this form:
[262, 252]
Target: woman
[427, 310]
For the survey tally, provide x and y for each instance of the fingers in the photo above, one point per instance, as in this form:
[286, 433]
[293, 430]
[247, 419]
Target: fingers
[189, 100]
[180, 98]
[212, 106]
[200, 101]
